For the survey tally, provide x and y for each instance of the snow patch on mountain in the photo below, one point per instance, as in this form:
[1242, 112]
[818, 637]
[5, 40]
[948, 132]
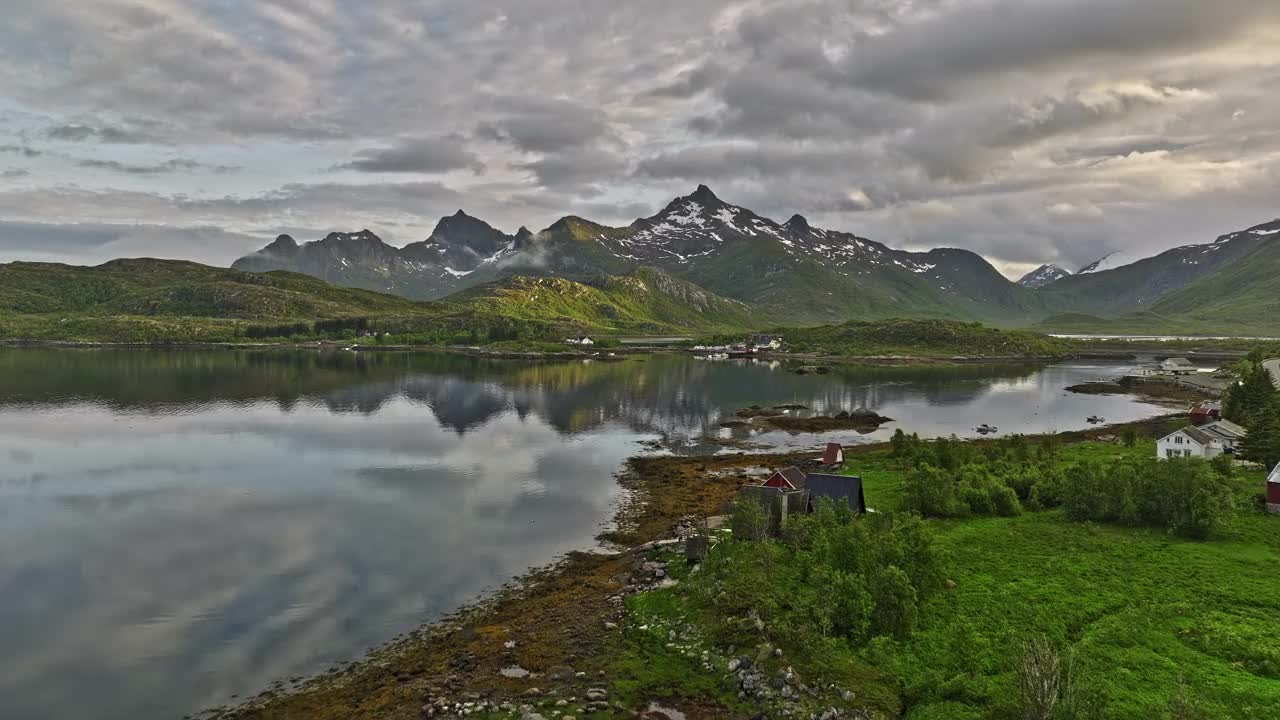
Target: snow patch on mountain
[1043, 275]
[1110, 261]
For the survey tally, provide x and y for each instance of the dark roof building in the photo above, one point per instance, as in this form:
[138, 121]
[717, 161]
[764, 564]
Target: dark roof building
[836, 487]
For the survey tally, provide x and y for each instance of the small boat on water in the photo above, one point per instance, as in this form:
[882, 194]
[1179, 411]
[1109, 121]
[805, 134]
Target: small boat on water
[986, 429]
[1095, 419]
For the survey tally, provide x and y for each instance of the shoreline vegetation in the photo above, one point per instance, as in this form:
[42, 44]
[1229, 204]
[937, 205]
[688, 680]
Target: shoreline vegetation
[1214, 351]
[939, 624]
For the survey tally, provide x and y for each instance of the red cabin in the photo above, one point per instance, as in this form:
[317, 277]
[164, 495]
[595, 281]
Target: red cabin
[834, 454]
[1207, 413]
[790, 478]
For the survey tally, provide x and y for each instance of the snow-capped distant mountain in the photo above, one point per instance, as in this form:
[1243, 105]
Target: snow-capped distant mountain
[1043, 275]
[813, 273]
[726, 248]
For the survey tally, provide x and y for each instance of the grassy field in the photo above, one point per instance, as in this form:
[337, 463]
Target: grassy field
[1159, 627]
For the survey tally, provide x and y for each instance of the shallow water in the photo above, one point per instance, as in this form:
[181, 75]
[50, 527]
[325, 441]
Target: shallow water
[179, 528]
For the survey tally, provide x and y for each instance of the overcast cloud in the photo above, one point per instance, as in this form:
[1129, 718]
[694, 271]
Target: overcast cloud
[1027, 130]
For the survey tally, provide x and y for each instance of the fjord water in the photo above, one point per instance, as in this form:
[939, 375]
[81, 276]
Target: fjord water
[179, 527]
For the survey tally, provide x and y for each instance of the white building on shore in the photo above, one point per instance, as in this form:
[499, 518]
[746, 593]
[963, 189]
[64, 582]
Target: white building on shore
[1189, 442]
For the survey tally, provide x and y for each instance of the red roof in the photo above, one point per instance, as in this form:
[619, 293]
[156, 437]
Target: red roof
[833, 455]
[787, 478]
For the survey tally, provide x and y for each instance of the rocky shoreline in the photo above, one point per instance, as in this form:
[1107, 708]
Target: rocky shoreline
[541, 645]
[1157, 390]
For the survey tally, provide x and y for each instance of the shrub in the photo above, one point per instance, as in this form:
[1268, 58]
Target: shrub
[1046, 682]
[750, 520]
[835, 575]
[1129, 436]
[1184, 495]
[973, 490]
[1224, 465]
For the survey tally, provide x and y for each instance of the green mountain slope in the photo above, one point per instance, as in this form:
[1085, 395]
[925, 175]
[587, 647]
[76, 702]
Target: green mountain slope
[644, 301]
[177, 288]
[165, 300]
[1241, 298]
[1244, 292]
[1143, 285]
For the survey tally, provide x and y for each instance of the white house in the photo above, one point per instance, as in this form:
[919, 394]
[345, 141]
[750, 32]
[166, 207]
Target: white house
[1189, 442]
[1273, 491]
[580, 341]
[1229, 433]
[1178, 366]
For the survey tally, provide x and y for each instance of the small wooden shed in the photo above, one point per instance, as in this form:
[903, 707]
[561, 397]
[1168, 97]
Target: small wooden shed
[788, 478]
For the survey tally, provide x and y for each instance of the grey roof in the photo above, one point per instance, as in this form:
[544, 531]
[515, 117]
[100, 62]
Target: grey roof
[836, 487]
[1196, 434]
[1179, 361]
[1225, 429]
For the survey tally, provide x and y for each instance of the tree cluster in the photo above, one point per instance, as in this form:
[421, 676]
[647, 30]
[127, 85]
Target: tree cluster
[832, 575]
[1190, 497]
[1254, 403]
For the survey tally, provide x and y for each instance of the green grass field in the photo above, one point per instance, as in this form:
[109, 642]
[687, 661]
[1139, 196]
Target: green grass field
[1155, 623]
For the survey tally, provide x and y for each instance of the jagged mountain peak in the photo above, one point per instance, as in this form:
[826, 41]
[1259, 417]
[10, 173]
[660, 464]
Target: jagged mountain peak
[365, 235]
[798, 223]
[703, 194]
[459, 221]
[282, 244]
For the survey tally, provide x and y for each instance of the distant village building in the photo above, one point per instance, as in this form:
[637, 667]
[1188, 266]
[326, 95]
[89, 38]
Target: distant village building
[790, 478]
[1189, 442]
[1178, 366]
[583, 340]
[834, 454]
[765, 342]
[1206, 413]
[1273, 491]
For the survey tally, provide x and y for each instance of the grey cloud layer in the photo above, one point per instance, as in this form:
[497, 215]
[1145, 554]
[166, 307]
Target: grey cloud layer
[1055, 130]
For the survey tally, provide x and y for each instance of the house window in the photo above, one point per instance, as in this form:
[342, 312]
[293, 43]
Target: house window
[1169, 453]
[1186, 453]
[1178, 440]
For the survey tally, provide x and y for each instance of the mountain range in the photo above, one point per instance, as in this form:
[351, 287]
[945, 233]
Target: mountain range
[791, 269]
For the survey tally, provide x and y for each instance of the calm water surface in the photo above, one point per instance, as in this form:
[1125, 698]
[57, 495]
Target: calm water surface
[177, 528]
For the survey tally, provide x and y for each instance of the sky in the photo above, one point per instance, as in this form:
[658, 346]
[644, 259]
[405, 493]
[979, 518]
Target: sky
[1029, 131]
